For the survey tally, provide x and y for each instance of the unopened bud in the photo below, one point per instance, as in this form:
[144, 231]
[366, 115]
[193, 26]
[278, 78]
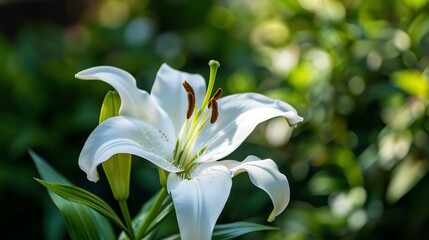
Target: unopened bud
[118, 167]
[163, 175]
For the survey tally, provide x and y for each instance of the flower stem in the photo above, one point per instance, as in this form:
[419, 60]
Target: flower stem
[152, 212]
[126, 214]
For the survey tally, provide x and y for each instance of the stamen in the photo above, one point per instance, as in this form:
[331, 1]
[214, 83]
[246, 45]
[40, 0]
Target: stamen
[191, 98]
[191, 105]
[215, 111]
[217, 94]
[215, 97]
[188, 87]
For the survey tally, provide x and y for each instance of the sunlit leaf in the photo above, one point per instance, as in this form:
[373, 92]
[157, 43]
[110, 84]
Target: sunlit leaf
[301, 76]
[419, 28]
[411, 82]
[416, 4]
[405, 177]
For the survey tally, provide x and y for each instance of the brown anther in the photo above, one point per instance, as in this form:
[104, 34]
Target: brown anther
[215, 97]
[191, 105]
[191, 98]
[217, 94]
[188, 87]
[215, 111]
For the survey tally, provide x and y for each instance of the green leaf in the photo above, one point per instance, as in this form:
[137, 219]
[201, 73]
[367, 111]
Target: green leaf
[166, 209]
[81, 221]
[231, 230]
[173, 237]
[405, 176]
[412, 82]
[79, 195]
[234, 230]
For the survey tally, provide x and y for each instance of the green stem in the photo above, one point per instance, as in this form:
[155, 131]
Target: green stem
[152, 213]
[126, 215]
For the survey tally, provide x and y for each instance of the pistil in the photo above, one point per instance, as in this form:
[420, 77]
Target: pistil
[214, 65]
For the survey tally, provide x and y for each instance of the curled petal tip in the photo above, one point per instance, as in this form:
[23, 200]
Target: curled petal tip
[93, 177]
[272, 216]
[94, 180]
[80, 75]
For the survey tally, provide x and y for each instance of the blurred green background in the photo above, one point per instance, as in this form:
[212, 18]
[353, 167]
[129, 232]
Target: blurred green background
[356, 70]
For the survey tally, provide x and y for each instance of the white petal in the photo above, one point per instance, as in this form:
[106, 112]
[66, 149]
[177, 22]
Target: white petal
[239, 114]
[125, 135]
[265, 175]
[169, 93]
[135, 102]
[198, 202]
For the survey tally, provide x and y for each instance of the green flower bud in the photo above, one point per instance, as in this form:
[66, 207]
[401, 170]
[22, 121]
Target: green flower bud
[163, 175]
[118, 167]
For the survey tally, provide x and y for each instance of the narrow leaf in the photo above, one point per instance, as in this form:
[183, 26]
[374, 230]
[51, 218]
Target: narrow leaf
[79, 195]
[167, 208]
[173, 237]
[231, 230]
[234, 230]
[405, 176]
[81, 221]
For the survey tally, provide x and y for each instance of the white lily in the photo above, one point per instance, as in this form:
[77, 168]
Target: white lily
[183, 129]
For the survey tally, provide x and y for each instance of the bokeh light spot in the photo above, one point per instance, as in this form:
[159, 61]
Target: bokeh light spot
[272, 33]
[374, 60]
[222, 17]
[357, 219]
[356, 85]
[401, 40]
[139, 31]
[241, 82]
[285, 59]
[278, 132]
[113, 13]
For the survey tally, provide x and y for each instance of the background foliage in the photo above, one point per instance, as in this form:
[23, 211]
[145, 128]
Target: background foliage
[357, 71]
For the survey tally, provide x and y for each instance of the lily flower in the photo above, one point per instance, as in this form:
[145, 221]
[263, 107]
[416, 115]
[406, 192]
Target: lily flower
[182, 128]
